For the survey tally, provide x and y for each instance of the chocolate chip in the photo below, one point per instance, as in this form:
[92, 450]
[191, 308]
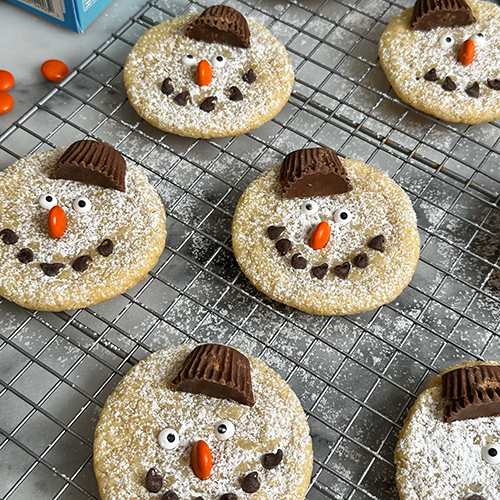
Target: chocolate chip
[361, 260]
[9, 237]
[170, 495]
[377, 243]
[431, 75]
[449, 84]
[476, 497]
[284, 246]
[154, 481]
[166, 87]
[81, 263]
[106, 248]
[274, 232]
[494, 84]
[228, 496]
[320, 271]
[51, 269]
[235, 94]
[298, 262]
[249, 76]
[272, 460]
[250, 483]
[473, 90]
[208, 104]
[182, 98]
[342, 270]
[25, 256]
[199, 498]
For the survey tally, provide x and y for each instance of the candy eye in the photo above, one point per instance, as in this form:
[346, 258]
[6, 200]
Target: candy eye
[309, 207]
[218, 61]
[224, 430]
[168, 439]
[479, 39]
[446, 41]
[47, 201]
[342, 216]
[82, 204]
[189, 60]
[491, 453]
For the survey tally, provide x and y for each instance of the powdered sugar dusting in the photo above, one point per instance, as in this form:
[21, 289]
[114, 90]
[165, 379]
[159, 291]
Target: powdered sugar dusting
[437, 460]
[406, 56]
[157, 55]
[134, 221]
[142, 405]
[377, 205]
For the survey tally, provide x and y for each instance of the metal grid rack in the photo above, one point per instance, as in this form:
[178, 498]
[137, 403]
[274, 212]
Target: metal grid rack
[56, 370]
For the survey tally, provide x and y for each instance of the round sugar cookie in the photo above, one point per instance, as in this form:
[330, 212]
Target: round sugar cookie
[449, 447]
[373, 244]
[109, 241]
[146, 425]
[425, 69]
[162, 85]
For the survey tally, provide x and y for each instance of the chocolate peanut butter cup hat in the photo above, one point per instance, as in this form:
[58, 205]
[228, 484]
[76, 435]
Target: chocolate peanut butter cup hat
[92, 162]
[313, 172]
[221, 24]
[430, 14]
[473, 392]
[218, 371]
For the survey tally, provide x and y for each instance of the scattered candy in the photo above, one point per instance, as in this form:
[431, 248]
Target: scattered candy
[6, 80]
[54, 70]
[6, 102]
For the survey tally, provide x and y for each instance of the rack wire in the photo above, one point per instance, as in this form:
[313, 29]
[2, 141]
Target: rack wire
[56, 369]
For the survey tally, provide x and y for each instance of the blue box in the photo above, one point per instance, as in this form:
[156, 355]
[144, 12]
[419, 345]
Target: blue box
[75, 15]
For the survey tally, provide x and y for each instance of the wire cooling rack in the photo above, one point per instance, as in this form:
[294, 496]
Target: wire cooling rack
[356, 376]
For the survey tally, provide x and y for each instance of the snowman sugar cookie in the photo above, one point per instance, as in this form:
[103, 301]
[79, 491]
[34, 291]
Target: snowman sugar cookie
[202, 422]
[217, 74]
[449, 447]
[326, 235]
[77, 226]
[443, 58]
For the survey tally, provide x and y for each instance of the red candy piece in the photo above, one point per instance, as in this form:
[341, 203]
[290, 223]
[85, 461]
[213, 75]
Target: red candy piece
[6, 102]
[54, 70]
[6, 80]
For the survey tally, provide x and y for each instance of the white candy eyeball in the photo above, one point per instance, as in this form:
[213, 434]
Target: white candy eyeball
[309, 207]
[224, 430]
[479, 39]
[218, 61]
[168, 439]
[47, 201]
[82, 204]
[446, 41]
[342, 216]
[189, 60]
[491, 453]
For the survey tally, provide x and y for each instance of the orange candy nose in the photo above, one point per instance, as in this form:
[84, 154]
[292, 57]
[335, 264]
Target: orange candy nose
[56, 222]
[201, 459]
[204, 73]
[320, 236]
[466, 52]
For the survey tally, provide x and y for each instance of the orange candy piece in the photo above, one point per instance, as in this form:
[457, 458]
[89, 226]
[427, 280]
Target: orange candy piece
[6, 80]
[57, 221]
[54, 70]
[204, 73]
[6, 102]
[320, 236]
[201, 459]
[466, 52]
